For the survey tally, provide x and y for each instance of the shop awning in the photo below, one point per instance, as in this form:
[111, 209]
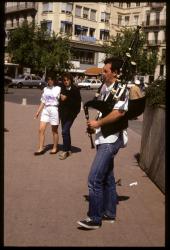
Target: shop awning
[93, 71]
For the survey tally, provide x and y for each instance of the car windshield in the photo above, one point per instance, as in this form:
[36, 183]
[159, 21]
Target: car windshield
[20, 77]
[87, 80]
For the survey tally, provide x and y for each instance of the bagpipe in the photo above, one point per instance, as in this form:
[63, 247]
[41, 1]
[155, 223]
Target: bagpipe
[135, 107]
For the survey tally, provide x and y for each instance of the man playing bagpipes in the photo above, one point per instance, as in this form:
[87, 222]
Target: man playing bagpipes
[114, 110]
[101, 181]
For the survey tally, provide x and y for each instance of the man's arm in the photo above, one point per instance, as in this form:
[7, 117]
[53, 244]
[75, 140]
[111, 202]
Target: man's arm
[111, 117]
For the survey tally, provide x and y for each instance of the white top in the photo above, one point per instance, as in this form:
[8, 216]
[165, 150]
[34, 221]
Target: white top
[121, 105]
[51, 95]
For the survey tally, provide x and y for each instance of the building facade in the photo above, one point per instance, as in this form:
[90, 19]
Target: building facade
[91, 24]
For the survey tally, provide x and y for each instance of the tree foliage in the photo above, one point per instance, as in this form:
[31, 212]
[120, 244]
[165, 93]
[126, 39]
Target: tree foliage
[119, 45]
[155, 93]
[32, 46]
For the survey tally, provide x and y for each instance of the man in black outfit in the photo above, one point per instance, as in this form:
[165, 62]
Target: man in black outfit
[68, 110]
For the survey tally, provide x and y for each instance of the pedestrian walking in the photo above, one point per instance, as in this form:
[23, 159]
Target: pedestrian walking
[70, 105]
[136, 91]
[49, 114]
[101, 180]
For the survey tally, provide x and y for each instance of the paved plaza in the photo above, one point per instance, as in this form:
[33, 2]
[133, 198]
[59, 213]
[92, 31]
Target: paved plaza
[44, 197]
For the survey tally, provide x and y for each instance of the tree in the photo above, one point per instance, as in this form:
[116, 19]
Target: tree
[119, 45]
[32, 46]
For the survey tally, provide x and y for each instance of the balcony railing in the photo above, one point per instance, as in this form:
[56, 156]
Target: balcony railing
[154, 23]
[84, 38]
[157, 5]
[155, 43]
[21, 6]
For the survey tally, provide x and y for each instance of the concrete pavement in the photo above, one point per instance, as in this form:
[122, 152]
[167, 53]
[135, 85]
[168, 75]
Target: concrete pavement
[44, 196]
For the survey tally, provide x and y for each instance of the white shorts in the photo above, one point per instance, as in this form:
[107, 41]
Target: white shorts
[50, 115]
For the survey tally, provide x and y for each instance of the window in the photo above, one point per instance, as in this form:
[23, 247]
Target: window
[102, 16]
[105, 17]
[91, 32]
[128, 5]
[157, 18]
[84, 31]
[93, 15]
[119, 20]
[62, 27]
[78, 11]
[85, 13]
[67, 8]
[66, 27]
[161, 70]
[47, 7]
[136, 19]
[47, 25]
[163, 54]
[127, 20]
[120, 5]
[17, 21]
[156, 36]
[63, 7]
[77, 30]
[137, 4]
[85, 57]
[147, 18]
[27, 78]
[104, 34]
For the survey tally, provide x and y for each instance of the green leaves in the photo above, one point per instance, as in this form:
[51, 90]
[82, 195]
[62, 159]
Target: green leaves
[32, 46]
[119, 45]
[155, 93]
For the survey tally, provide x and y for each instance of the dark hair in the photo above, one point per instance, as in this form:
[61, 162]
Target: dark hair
[52, 76]
[68, 76]
[116, 63]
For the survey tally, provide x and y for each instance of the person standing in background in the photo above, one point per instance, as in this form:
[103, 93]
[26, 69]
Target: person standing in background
[135, 91]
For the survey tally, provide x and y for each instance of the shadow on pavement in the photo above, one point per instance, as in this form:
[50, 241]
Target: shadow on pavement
[137, 157]
[60, 148]
[120, 198]
[84, 229]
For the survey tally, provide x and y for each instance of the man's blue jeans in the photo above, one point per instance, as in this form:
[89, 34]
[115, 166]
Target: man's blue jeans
[101, 182]
[66, 126]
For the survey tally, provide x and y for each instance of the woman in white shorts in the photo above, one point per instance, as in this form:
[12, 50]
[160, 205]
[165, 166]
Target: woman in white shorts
[49, 107]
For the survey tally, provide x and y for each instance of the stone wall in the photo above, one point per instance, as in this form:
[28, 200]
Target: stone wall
[152, 152]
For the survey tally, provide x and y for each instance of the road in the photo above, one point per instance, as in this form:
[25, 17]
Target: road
[33, 98]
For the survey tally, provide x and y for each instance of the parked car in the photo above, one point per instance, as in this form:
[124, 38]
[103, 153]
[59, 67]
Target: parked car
[28, 81]
[90, 84]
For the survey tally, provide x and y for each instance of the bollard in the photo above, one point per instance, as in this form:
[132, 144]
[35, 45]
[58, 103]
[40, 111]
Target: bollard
[82, 106]
[24, 101]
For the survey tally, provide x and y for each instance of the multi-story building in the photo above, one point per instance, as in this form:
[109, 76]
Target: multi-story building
[154, 25]
[88, 25]
[15, 14]
[152, 17]
[91, 24]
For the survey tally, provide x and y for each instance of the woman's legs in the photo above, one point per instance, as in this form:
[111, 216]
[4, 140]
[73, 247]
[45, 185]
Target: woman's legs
[55, 137]
[42, 128]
